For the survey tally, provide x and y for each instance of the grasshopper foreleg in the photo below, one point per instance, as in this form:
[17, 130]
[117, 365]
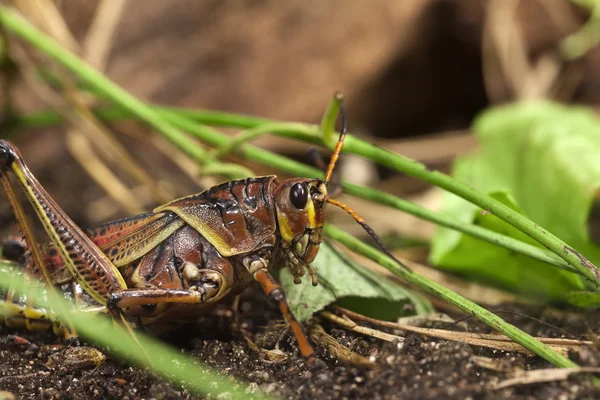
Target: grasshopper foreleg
[257, 265]
[210, 288]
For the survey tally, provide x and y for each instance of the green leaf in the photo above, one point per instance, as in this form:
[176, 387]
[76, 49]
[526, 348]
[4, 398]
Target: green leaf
[542, 160]
[343, 279]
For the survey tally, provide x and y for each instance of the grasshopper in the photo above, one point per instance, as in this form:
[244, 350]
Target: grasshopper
[159, 269]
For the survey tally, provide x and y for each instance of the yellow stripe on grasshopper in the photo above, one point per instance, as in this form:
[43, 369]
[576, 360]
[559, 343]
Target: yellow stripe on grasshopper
[284, 228]
[312, 222]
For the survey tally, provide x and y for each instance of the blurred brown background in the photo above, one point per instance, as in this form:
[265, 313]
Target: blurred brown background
[414, 74]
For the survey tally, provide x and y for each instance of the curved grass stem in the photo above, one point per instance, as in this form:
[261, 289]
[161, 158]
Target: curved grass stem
[329, 118]
[298, 131]
[215, 138]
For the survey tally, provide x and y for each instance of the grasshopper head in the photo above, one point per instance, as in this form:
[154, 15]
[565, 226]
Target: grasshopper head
[300, 204]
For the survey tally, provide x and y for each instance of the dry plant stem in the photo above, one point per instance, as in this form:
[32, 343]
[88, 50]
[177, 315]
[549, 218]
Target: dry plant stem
[87, 128]
[336, 349]
[98, 40]
[97, 44]
[495, 364]
[505, 52]
[80, 148]
[446, 335]
[540, 376]
[499, 342]
[96, 48]
[363, 330]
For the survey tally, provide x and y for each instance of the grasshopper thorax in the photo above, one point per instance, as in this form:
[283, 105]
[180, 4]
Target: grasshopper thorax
[300, 204]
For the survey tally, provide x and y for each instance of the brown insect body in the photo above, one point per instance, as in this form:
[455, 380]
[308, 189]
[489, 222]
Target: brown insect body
[164, 267]
[188, 254]
[222, 227]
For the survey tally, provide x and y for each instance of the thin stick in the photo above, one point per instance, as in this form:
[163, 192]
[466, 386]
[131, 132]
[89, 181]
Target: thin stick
[446, 334]
[353, 326]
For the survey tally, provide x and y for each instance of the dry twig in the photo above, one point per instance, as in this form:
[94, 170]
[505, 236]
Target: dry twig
[496, 342]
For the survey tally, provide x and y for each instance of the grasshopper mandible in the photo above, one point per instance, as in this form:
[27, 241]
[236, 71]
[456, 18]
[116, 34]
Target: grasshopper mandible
[167, 266]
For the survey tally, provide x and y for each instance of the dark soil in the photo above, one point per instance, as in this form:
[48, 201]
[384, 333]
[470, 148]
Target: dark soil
[421, 367]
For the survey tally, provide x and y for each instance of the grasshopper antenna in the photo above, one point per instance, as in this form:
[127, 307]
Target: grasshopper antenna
[353, 214]
[368, 229]
[338, 147]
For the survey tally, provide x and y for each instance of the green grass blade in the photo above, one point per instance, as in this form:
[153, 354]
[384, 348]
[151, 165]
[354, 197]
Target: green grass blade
[525, 225]
[455, 299]
[166, 361]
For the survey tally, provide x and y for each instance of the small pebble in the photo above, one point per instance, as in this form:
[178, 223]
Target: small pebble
[6, 395]
[76, 358]
[270, 388]
[252, 388]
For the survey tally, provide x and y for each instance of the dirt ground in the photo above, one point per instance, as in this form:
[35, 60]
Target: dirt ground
[419, 368]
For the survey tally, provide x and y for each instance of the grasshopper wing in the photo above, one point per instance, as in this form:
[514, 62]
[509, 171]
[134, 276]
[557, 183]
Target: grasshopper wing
[128, 239]
[236, 216]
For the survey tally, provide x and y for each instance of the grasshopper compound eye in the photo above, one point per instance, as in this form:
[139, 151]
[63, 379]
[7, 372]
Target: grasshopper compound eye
[298, 196]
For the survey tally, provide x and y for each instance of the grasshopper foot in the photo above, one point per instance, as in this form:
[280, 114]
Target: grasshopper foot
[73, 341]
[315, 363]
